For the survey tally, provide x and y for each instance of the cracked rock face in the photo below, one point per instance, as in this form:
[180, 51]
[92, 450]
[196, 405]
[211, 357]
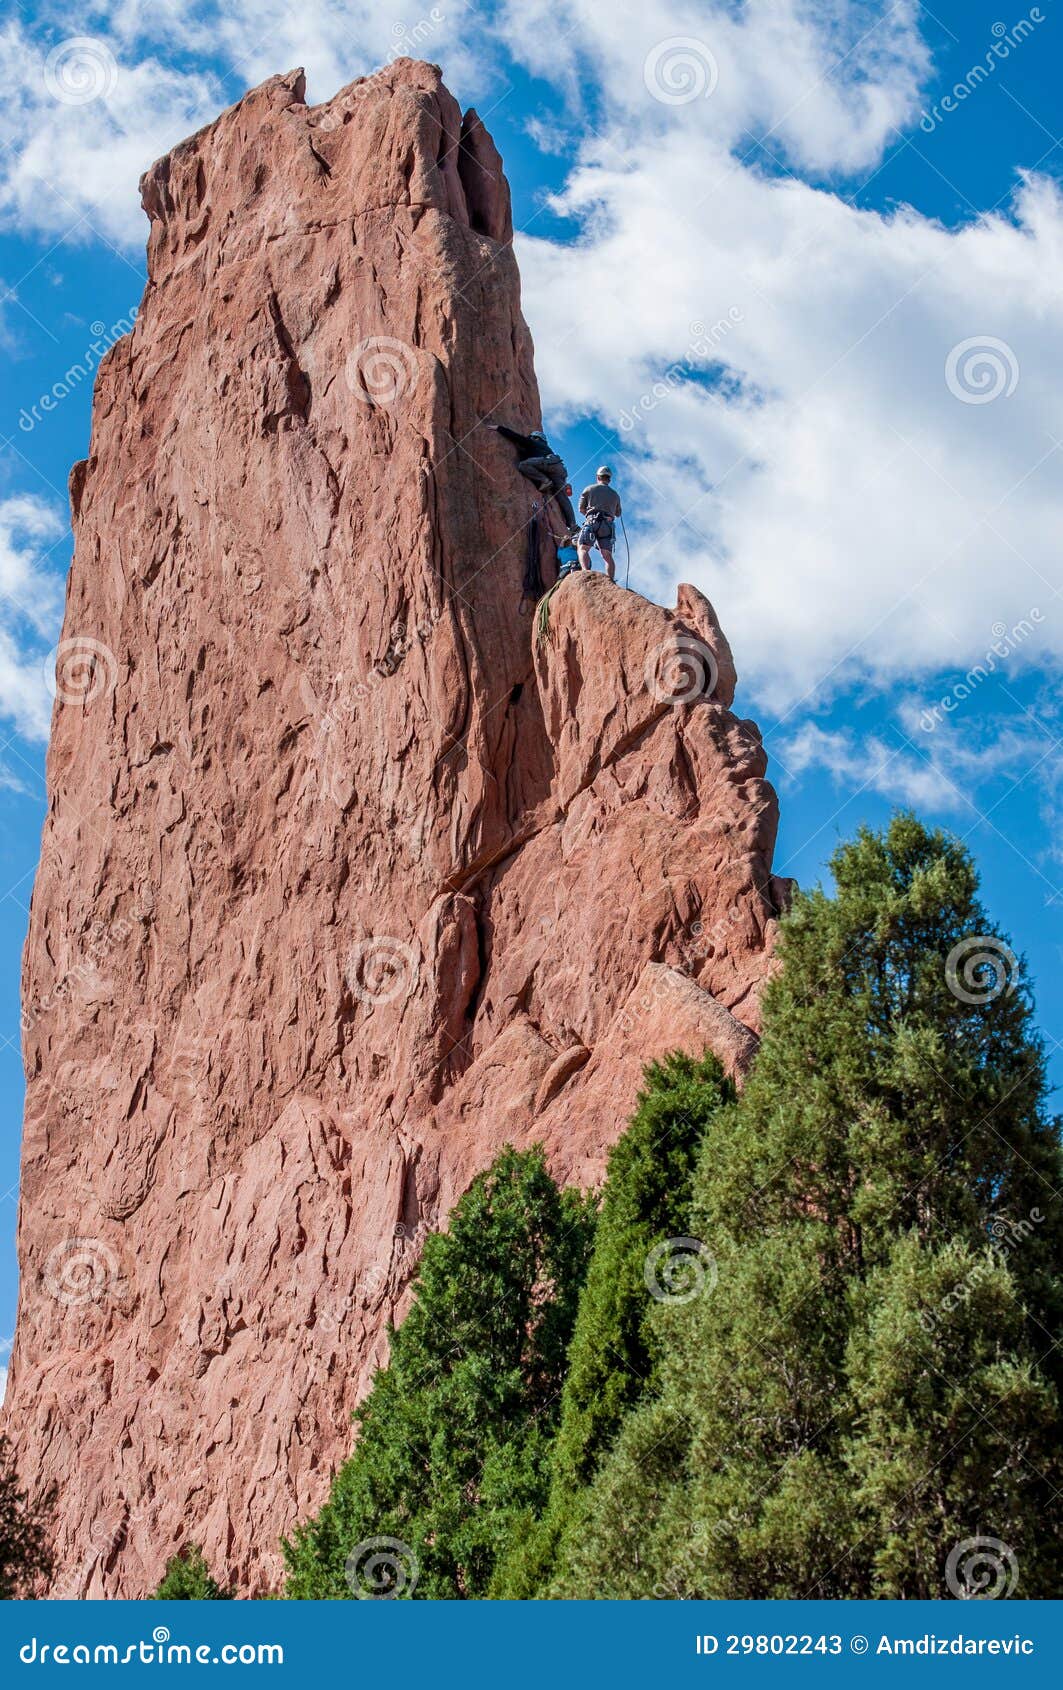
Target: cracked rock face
[349, 876]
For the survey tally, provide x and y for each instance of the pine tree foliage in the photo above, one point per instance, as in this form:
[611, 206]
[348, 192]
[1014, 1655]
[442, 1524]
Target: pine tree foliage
[25, 1553]
[188, 1579]
[613, 1357]
[455, 1433]
[867, 1400]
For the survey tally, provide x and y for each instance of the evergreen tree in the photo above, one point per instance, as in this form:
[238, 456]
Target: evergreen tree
[614, 1352]
[188, 1579]
[455, 1433]
[866, 1403]
[25, 1556]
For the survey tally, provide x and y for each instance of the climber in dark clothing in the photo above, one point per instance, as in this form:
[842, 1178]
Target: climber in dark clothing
[543, 468]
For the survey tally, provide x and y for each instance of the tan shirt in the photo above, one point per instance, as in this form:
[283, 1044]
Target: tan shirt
[599, 496]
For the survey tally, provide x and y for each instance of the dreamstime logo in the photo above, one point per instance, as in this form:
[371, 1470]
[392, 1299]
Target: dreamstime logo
[379, 970]
[682, 671]
[104, 338]
[380, 370]
[1005, 641]
[679, 70]
[980, 969]
[982, 1569]
[1004, 44]
[407, 40]
[679, 1269]
[80, 670]
[981, 369]
[700, 351]
[81, 1270]
[381, 1568]
[80, 70]
[1005, 1237]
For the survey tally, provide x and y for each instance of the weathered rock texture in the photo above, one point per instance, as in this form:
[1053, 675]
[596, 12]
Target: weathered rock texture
[348, 877]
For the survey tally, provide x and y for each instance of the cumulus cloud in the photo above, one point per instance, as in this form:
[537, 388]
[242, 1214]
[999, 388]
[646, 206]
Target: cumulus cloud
[840, 423]
[80, 124]
[31, 602]
[86, 114]
[973, 766]
[824, 84]
[870, 487]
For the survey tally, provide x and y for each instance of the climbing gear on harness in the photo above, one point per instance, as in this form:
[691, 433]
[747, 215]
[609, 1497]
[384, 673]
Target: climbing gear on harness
[598, 530]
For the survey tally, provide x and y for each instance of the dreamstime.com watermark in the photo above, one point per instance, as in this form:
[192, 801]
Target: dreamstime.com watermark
[1006, 1236]
[681, 671]
[80, 71]
[1005, 641]
[981, 1569]
[81, 371]
[981, 369]
[679, 1269]
[159, 1651]
[700, 351]
[680, 69]
[1004, 45]
[80, 670]
[408, 39]
[85, 974]
[980, 969]
[381, 1569]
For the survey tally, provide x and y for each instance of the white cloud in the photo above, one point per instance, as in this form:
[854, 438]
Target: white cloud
[70, 165]
[31, 604]
[824, 83]
[851, 517]
[944, 770]
[849, 514]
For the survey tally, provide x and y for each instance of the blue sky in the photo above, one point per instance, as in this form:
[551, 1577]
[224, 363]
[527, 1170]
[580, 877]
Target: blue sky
[794, 266]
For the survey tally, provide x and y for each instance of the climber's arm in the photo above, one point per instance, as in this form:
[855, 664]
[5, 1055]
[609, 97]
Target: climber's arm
[519, 440]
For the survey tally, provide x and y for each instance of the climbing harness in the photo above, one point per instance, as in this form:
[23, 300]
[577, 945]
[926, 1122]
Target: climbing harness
[598, 529]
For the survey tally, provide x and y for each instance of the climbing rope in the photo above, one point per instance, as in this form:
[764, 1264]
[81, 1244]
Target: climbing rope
[532, 586]
[542, 615]
[627, 543]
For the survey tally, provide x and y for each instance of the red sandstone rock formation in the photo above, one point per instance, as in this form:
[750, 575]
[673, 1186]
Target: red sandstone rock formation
[348, 877]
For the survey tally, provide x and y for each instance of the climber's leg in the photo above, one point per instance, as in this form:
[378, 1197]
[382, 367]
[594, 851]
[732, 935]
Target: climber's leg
[561, 490]
[588, 537]
[610, 562]
[533, 471]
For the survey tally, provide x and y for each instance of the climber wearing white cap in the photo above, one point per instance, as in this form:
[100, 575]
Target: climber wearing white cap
[599, 506]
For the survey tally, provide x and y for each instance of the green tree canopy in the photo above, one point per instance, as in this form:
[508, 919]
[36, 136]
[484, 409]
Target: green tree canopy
[613, 1358]
[455, 1431]
[188, 1579]
[866, 1401]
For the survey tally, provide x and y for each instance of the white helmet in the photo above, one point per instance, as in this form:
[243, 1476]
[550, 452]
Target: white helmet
[606, 471]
